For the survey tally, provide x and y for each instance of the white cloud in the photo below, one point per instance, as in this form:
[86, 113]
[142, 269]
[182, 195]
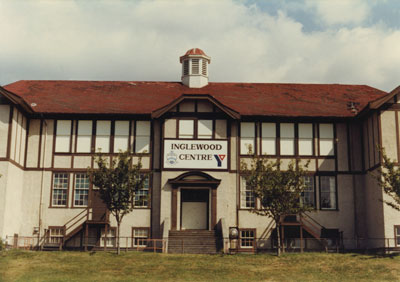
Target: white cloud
[334, 12]
[143, 40]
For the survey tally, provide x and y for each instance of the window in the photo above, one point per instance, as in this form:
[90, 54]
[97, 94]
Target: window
[121, 136]
[268, 138]
[186, 129]
[142, 137]
[63, 136]
[287, 139]
[56, 235]
[397, 235]
[84, 137]
[308, 196]
[326, 145]
[247, 138]
[204, 129]
[327, 192]
[81, 189]
[247, 238]
[140, 237]
[195, 66]
[247, 198]
[60, 189]
[305, 139]
[142, 196]
[111, 237]
[103, 132]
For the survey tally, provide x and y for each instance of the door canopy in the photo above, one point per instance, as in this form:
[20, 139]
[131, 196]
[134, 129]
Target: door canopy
[195, 178]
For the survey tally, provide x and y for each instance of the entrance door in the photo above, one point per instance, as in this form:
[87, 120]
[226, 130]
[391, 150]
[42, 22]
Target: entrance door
[194, 208]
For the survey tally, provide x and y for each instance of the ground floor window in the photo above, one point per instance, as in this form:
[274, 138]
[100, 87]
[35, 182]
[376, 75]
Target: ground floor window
[140, 236]
[247, 238]
[308, 196]
[111, 237]
[328, 193]
[142, 196]
[60, 189]
[247, 198]
[56, 234]
[397, 235]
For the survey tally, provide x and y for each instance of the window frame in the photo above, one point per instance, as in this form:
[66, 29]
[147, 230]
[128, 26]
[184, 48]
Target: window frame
[114, 135]
[253, 238]
[113, 239]
[133, 241]
[255, 152]
[336, 208]
[56, 127]
[276, 138]
[195, 128]
[134, 149]
[148, 200]
[396, 229]
[59, 237]
[96, 135]
[298, 139]
[52, 205]
[314, 206]
[74, 190]
[92, 136]
[241, 193]
[334, 153]
[294, 139]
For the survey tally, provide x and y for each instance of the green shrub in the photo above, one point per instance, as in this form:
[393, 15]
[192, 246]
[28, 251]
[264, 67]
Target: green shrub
[2, 245]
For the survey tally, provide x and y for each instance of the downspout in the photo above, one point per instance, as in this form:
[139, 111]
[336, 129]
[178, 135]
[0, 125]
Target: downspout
[42, 179]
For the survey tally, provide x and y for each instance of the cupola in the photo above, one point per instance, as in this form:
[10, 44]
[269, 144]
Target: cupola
[195, 68]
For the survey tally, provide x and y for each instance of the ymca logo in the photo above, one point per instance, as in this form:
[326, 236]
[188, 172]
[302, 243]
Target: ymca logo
[219, 159]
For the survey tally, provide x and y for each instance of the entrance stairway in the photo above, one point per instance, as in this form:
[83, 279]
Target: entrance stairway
[193, 242]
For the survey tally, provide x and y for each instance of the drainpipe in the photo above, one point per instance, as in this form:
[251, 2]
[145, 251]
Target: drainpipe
[42, 178]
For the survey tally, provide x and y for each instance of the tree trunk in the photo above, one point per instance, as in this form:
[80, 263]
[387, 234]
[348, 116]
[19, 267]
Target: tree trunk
[118, 246]
[278, 235]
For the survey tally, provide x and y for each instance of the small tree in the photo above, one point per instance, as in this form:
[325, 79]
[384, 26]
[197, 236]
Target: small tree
[118, 184]
[388, 179]
[279, 190]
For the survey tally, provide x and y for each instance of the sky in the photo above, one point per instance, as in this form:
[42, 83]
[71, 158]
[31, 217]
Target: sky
[292, 41]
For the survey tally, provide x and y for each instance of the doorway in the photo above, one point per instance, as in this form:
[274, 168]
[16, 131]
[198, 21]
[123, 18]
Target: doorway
[195, 209]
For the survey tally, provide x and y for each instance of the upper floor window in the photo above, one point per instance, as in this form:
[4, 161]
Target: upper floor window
[84, 136]
[287, 139]
[103, 132]
[142, 196]
[326, 139]
[200, 129]
[121, 136]
[63, 136]
[247, 137]
[305, 139]
[142, 140]
[268, 138]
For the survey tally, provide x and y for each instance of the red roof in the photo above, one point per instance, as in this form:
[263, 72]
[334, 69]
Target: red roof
[133, 97]
[195, 51]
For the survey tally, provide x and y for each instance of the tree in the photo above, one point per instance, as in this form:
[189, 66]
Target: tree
[388, 179]
[279, 191]
[118, 184]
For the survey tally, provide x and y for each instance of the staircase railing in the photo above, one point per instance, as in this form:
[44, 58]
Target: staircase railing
[76, 222]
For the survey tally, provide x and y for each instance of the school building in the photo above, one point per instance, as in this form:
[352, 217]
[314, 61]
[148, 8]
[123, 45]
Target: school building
[192, 135]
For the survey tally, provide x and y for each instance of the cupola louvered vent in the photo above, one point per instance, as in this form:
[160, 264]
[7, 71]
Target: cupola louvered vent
[204, 67]
[186, 67]
[195, 66]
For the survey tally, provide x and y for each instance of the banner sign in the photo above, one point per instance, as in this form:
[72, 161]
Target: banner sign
[196, 154]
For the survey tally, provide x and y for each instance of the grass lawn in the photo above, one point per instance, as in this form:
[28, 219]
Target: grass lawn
[103, 266]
